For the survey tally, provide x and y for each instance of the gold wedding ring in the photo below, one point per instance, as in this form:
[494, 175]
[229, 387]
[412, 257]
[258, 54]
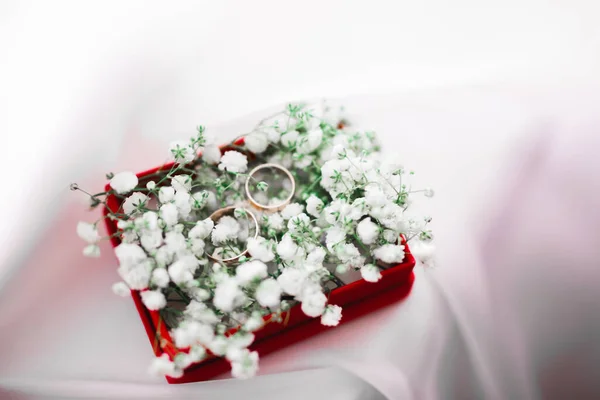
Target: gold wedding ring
[272, 207]
[216, 216]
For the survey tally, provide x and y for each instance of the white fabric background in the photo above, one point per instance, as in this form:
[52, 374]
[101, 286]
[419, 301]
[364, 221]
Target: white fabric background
[89, 87]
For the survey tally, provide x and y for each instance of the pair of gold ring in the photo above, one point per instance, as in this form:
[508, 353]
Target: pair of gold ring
[215, 216]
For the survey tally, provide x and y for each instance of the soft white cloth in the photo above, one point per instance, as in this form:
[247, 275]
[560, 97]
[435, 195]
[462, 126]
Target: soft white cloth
[509, 313]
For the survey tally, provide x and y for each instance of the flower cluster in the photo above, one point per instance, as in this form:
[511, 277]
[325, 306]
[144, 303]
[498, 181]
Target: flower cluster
[349, 212]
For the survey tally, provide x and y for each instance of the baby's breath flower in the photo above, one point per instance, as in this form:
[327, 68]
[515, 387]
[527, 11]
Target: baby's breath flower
[124, 182]
[92, 250]
[182, 152]
[168, 213]
[211, 155]
[370, 273]
[314, 205]
[162, 366]
[228, 295]
[121, 289]
[288, 139]
[88, 232]
[245, 366]
[160, 278]
[429, 192]
[181, 183]
[268, 293]
[256, 142]
[353, 209]
[260, 249]
[166, 194]
[134, 203]
[313, 301]
[331, 316]
[233, 161]
[389, 253]
[250, 271]
[291, 210]
[367, 231]
[153, 299]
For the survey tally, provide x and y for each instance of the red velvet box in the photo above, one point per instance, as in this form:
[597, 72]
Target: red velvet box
[356, 299]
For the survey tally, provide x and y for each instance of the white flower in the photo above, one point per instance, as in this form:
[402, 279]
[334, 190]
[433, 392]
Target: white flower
[391, 216]
[245, 367]
[423, 251]
[234, 161]
[121, 289]
[227, 228]
[228, 295]
[199, 199]
[287, 248]
[367, 231]
[166, 194]
[299, 223]
[190, 333]
[250, 271]
[260, 249]
[164, 366]
[175, 242]
[160, 277]
[311, 141]
[218, 345]
[137, 276]
[346, 252]
[199, 294]
[272, 134]
[211, 154]
[163, 256]
[168, 213]
[151, 185]
[181, 183]
[151, 240]
[314, 206]
[92, 250]
[150, 220]
[200, 312]
[335, 236]
[124, 182]
[202, 229]
[256, 142]
[291, 210]
[316, 256]
[268, 293]
[389, 253]
[88, 232]
[153, 299]
[182, 270]
[183, 203]
[240, 340]
[291, 280]
[254, 322]
[130, 254]
[182, 152]
[134, 201]
[390, 236]
[429, 192]
[289, 138]
[331, 316]
[276, 222]
[313, 301]
[197, 246]
[370, 273]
